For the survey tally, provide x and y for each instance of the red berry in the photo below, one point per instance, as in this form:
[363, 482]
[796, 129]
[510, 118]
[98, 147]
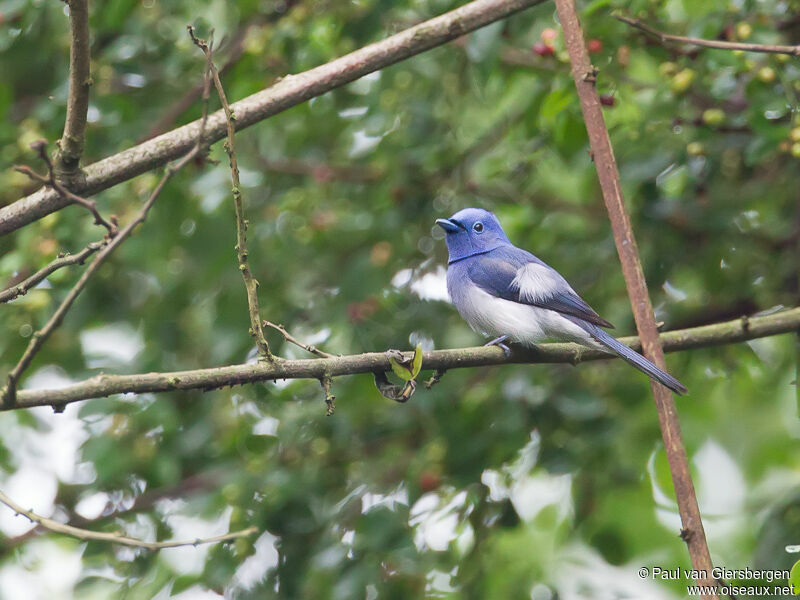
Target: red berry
[543, 49]
[322, 173]
[429, 481]
[607, 100]
[594, 46]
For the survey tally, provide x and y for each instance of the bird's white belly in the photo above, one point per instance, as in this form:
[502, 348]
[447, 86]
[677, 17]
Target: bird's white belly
[522, 323]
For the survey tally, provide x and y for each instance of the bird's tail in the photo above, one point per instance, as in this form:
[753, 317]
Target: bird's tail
[632, 357]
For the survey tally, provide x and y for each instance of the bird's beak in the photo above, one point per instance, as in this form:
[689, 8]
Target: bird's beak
[447, 225]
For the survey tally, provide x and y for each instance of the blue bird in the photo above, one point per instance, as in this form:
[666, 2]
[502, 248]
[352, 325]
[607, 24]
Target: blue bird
[507, 293]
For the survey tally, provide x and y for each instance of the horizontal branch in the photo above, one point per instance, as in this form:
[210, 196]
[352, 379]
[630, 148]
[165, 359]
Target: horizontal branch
[288, 92]
[717, 44]
[116, 538]
[738, 330]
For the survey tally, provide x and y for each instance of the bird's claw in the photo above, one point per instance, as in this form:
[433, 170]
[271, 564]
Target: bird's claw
[499, 343]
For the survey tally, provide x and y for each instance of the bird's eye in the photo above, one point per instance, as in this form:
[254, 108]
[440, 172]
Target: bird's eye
[478, 227]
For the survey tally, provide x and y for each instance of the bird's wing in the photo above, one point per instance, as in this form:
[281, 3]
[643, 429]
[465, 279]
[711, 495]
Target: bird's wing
[529, 281]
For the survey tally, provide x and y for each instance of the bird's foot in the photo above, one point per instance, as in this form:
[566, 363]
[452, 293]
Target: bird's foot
[499, 343]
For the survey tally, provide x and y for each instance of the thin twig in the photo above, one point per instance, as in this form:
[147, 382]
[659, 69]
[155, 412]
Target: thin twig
[70, 150]
[116, 538]
[284, 94]
[584, 75]
[436, 377]
[40, 146]
[250, 282]
[290, 338]
[194, 484]
[64, 260]
[717, 44]
[729, 332]
[236, 49]
[9, 392]
[330, 400]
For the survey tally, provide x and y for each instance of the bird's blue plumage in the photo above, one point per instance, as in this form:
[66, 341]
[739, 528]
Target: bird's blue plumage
[496, 270]
[506, 292]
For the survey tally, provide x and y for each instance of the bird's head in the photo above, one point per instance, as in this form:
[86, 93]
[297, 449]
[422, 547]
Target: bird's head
[472, 231]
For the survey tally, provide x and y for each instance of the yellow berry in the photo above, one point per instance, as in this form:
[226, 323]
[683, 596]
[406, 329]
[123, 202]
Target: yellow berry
[667, 69]
[714, 116]
[743, 30]
[682, 81]
[766, 74]
[695, 149]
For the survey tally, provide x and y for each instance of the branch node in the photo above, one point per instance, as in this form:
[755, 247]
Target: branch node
[745, 323]
[50, 180]
[70, 148]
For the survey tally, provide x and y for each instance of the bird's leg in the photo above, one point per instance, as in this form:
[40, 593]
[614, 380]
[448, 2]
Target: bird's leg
[498, 341]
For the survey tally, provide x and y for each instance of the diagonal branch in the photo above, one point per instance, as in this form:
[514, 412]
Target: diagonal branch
[68, 157]
[729, 332]
[250, 282]
[116, 538]
[718, 44]
[585, 76]
[9, 392]
[64, 260]
[289, 91]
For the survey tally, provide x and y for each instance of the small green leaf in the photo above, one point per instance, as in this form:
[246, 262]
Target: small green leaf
[794, 578]
[416, 361]
[400, 367]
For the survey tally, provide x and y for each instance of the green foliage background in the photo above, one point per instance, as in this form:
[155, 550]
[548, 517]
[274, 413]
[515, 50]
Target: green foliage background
[513, 482]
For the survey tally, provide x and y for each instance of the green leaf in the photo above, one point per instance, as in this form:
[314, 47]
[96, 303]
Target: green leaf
[594, 6]
[555, 103]
[794, 578]
[416, 361]
[406, 369]
[400, 369]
